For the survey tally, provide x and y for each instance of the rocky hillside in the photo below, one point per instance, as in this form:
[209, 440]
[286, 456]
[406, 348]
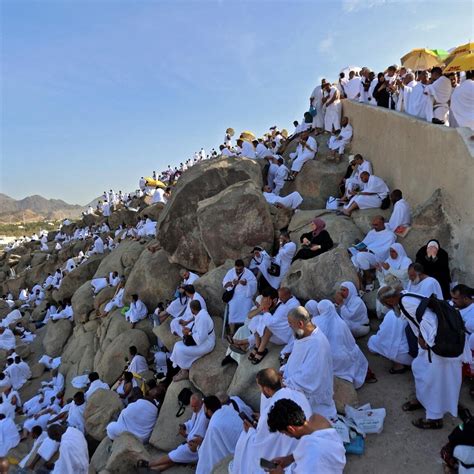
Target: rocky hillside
[36, 208]
[216, 214]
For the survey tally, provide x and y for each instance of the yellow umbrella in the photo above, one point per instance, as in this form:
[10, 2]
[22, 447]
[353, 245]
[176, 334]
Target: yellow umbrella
[420, 59]
[459, 51]
[463, 62]
[247, 136]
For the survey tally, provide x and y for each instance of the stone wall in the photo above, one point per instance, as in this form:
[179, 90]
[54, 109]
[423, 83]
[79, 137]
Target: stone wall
[419, 157]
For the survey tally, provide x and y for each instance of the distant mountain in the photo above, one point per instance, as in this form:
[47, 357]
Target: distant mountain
[36, 208]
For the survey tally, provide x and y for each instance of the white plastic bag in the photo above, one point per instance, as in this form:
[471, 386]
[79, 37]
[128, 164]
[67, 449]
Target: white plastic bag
[370, 420]
[332, 203]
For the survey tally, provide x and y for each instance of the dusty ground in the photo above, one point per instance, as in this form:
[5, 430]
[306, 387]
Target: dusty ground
[400, 448]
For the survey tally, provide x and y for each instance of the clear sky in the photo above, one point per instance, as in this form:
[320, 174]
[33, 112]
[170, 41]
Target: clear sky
[97, 93]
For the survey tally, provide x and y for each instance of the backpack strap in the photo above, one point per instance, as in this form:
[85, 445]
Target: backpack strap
[419, 313]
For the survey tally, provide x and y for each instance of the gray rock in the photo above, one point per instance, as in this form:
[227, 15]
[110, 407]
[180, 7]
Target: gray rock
[83, 302]
[317, 278]
[126, 451]
[102, 407]
[57, 334]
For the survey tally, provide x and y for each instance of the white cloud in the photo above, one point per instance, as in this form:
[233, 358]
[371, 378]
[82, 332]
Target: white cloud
[326, 44]
[425, 27]
[350, 6]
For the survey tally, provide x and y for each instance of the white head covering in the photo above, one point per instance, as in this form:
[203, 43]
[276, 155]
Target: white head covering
[432, 243]
[402, 261]
[312, 307]
[353, 296]
[353, 308]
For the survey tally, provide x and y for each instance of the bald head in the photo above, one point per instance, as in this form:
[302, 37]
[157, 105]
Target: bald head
[269, 378]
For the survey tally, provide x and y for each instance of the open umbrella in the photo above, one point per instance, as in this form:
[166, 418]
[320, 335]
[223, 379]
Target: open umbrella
[420, 59]
[459, 51]
[441, 53]
[247, 136]
[462, 62]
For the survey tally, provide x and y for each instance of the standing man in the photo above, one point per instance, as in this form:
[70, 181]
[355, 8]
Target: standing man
[316, 101]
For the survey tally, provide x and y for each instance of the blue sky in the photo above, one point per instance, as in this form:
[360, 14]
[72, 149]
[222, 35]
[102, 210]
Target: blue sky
[95, 94]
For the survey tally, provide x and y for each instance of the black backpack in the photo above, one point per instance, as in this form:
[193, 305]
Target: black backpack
[184, 398]
[451, 334]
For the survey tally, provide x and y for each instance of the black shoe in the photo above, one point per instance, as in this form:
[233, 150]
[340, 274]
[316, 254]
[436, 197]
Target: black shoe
[227, 360]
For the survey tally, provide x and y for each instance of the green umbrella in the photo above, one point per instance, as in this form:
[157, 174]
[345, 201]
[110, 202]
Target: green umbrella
[441, 53]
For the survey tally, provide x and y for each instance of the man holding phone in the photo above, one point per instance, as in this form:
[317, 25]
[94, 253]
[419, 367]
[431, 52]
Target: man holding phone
[319, 449]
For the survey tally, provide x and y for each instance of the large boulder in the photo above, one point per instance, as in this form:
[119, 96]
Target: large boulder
[120, 259]
[164, 334]
[234, 221]
[78, 354]
[122, 217]
[153, 212]
[179, 233]
[111, 362]
[73, 280]
[243, 384]
[153, 278]
[104, 296]
[57, 334]
[207, 373]
[102, 407]
[126, 451]
[165, 434]
[317, 278]
[210, 287]
[430, 221]
[83, 302]
[316, 182]
[101, 456]
[40, 272]
[341, 229]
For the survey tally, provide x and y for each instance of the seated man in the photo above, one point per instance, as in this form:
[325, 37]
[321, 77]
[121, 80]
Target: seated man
[319, 449]
[352, 182]
[309, 366]
[291, 201]
[94, 384]
[66, 311]
[73, 450]
[245, 149]
[138, 364]
[270, 326]
[196, 426]
[374, 191]
[401, 214]
[222, 434]
[280, 175]
[198, 341]
[136, 312]
[185, 317]
[337, 143]
[306, 150]
[374, 249]
[257, 442]
[7, 339]
[138, 418]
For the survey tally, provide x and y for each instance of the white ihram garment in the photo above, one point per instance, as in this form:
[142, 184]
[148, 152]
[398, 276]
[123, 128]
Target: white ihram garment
[73, 453]
[354, 312]
[136, 312]
[374, 185]
[401, 215]
[339, 142]
[378, 245]
[303, 154]
[462, 104]
[242, 301]
[439, 92]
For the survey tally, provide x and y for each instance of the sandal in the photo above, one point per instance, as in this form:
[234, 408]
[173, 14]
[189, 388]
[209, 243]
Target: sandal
[427, 424]
[261, 355]
[398, 371]
[253, 353]
[410, 406]
[237, 349]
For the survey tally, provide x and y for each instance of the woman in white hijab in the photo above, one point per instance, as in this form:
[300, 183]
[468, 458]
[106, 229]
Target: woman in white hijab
[348, 361]
[396, 266]
[352, 309]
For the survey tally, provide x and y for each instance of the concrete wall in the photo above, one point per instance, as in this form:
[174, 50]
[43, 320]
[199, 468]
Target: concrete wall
[418, 158]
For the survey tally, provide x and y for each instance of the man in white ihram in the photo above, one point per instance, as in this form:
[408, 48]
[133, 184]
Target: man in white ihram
[309, 368]
[316, 101]
[437, 379]
[244, 284]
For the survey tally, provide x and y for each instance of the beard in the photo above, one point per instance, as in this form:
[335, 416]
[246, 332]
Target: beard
[416, 280]
[299, 333]
[397, 311]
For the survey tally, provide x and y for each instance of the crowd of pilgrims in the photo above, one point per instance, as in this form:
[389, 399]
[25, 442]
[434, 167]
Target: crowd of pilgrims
[294, 426]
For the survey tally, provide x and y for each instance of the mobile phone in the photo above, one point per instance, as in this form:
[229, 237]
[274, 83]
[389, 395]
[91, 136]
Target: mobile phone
[266, 464]
[246, 418]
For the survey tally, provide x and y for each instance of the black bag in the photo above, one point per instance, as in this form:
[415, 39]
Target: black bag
[385, 203]
[274, 269]
[451, 334]
[412, 341]
[229, 294]
[189, 340]
[184, 398]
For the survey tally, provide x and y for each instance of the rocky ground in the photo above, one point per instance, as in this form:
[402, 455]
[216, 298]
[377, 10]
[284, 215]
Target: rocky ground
[213, 201]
